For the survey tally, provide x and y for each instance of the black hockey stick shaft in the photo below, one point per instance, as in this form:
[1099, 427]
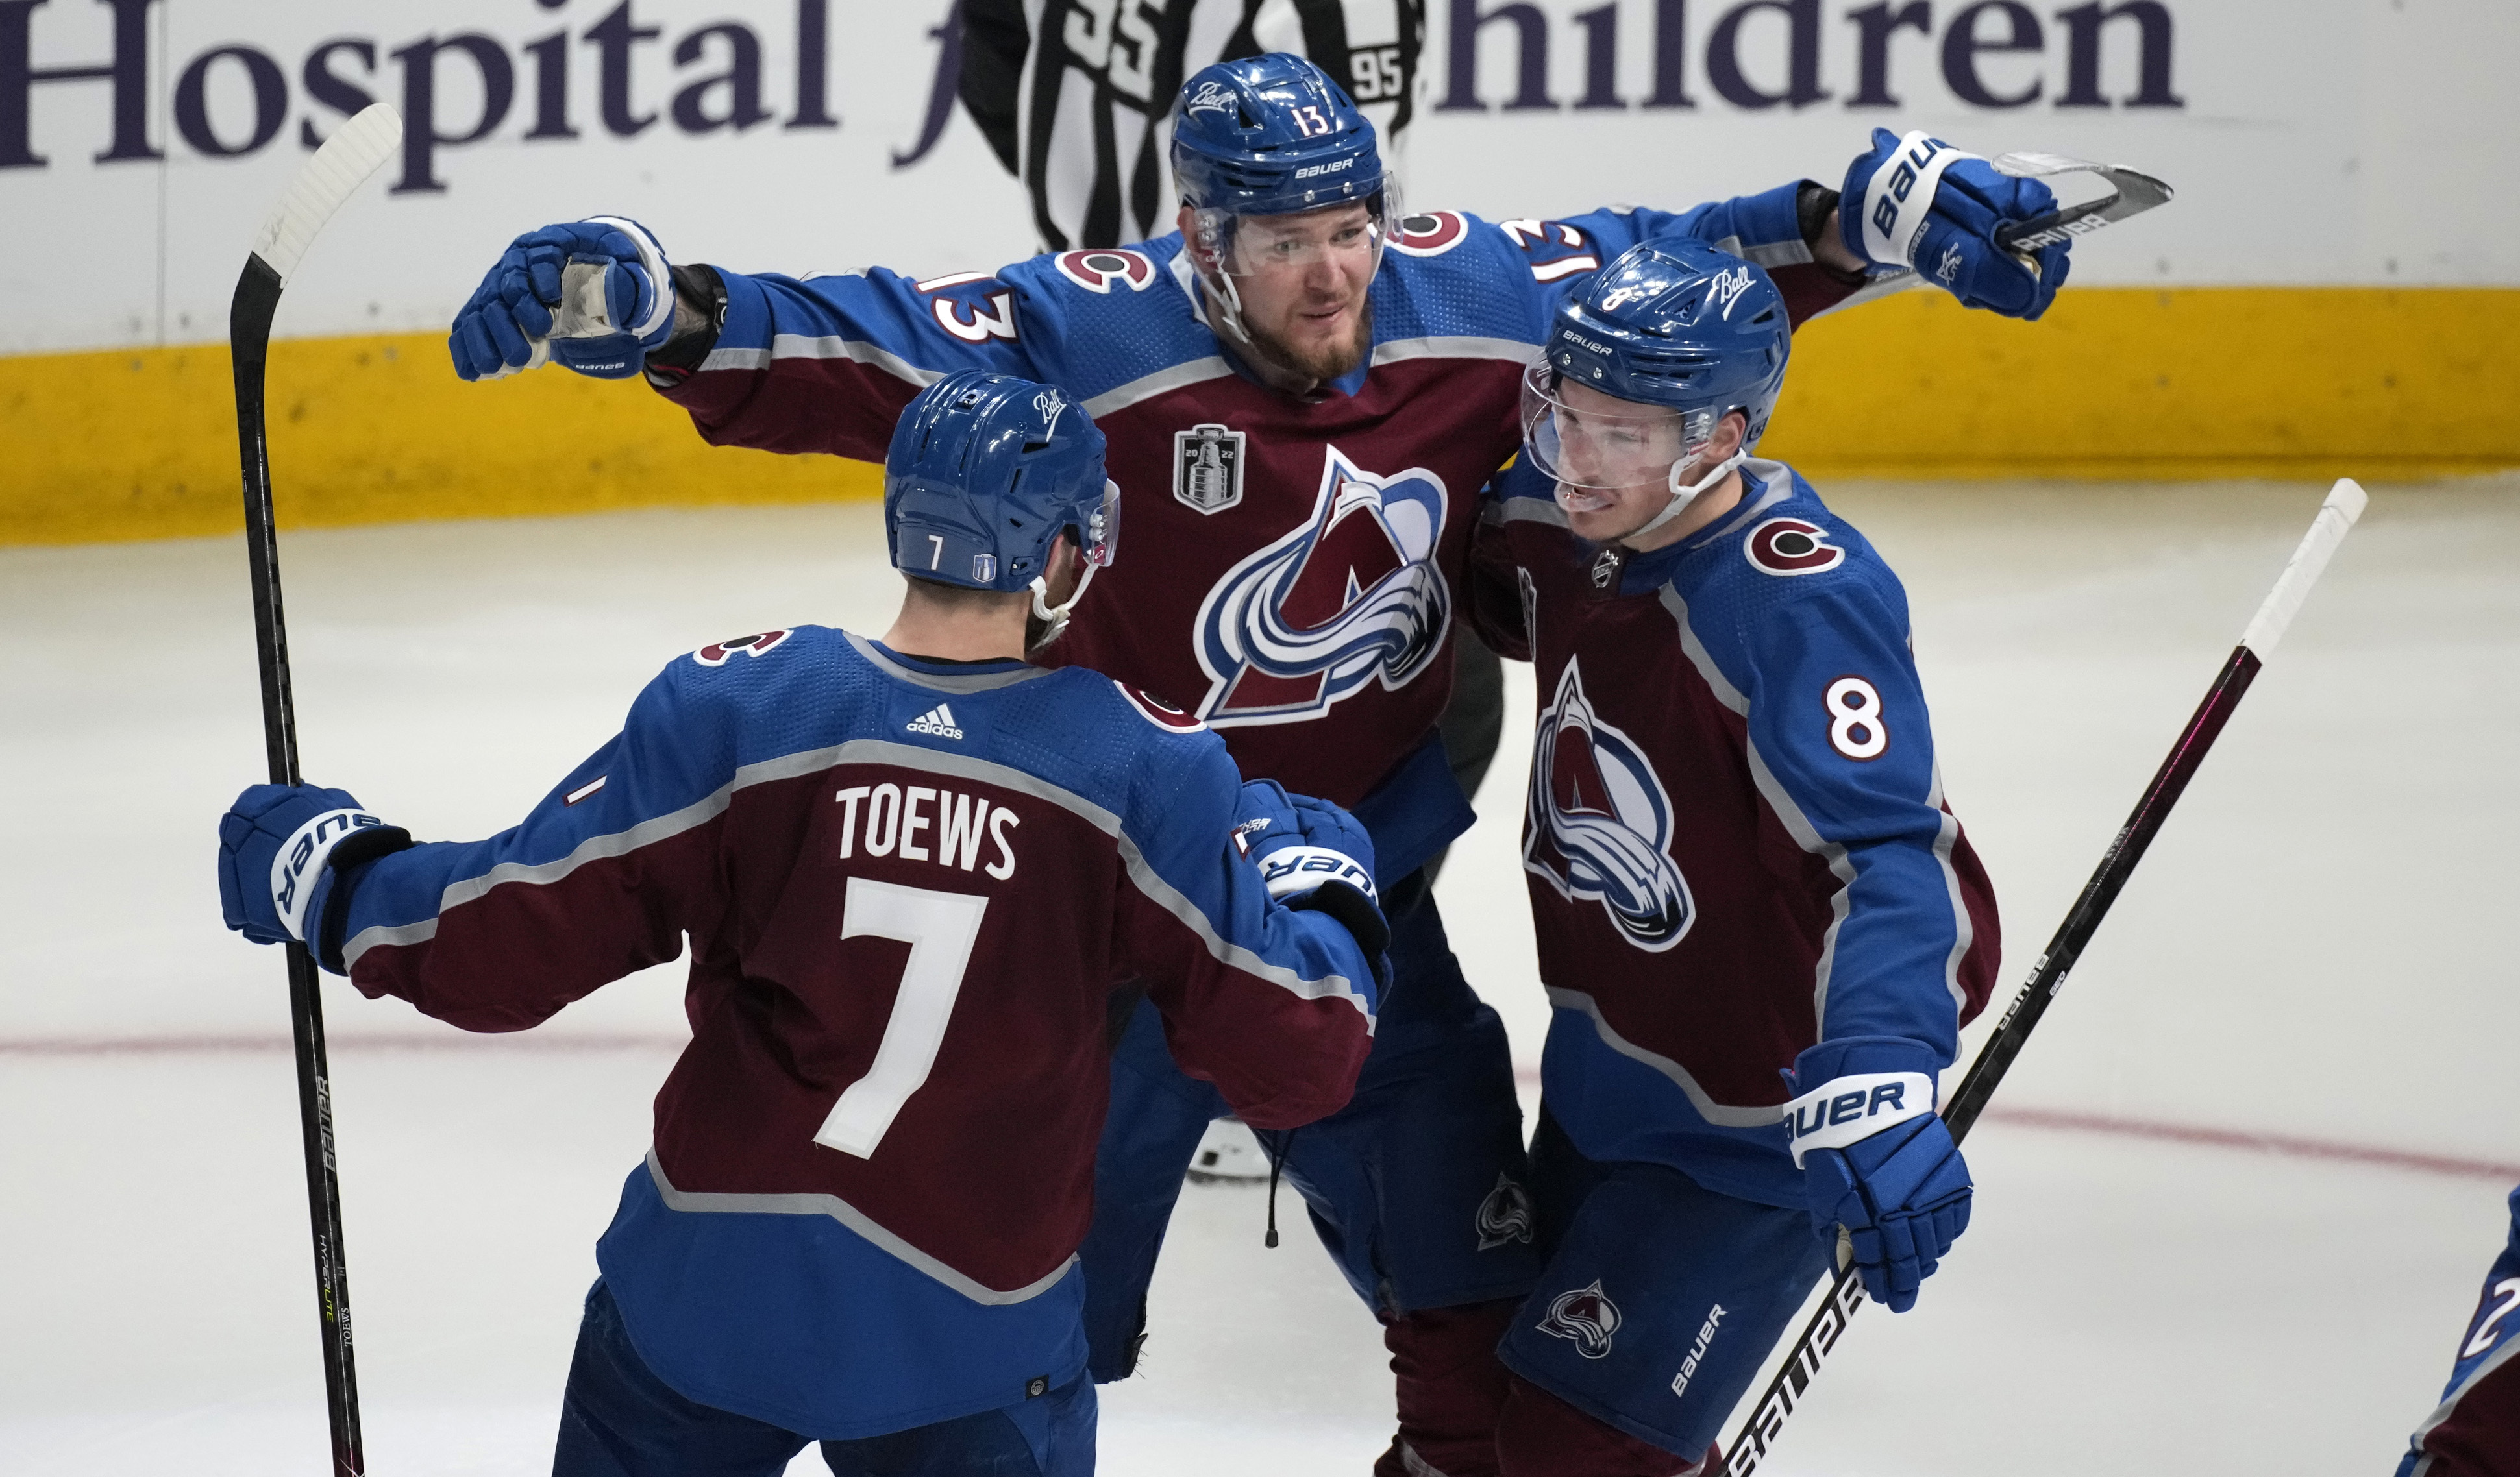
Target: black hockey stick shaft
[257, 297]
[314, 193]
[1768, 1416]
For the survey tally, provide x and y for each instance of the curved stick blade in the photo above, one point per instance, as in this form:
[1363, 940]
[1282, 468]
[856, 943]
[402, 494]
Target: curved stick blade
[347, 160]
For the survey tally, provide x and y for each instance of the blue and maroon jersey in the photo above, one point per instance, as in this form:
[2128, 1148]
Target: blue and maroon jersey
[1736, 839]
[2476, 1431]
[911, 890]
[1296, 558]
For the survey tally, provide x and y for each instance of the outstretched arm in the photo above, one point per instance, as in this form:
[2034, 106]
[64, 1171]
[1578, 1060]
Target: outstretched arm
[822, 363]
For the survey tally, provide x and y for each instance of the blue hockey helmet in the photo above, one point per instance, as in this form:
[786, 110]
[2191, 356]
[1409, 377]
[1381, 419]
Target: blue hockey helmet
[984, 472]
[1670, 337]
[1274, 136]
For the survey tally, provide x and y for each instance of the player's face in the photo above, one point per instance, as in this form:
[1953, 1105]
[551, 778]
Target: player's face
[1303, 279]
[1619, 458]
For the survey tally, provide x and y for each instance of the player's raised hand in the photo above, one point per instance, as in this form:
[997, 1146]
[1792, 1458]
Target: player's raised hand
[278, 844]
[1877, 1161]
[1916, 202]
[600, 322]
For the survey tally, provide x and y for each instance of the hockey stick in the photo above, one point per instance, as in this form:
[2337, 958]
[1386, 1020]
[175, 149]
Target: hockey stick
[323, 182]
[2130, 194]
[1820, 1335]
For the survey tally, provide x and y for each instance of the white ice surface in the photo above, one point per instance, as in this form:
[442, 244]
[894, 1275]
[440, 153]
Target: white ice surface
[2312, 949]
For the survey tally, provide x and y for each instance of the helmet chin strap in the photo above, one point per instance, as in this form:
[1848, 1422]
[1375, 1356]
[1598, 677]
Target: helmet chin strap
[1057, 615]
[1682, 497]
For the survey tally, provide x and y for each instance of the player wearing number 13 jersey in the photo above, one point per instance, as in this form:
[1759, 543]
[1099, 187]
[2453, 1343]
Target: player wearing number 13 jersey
[1759, 926]
[919, 876]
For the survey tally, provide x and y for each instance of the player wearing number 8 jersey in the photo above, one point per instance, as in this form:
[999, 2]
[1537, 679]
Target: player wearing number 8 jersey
[1759, 926]
[919, 876]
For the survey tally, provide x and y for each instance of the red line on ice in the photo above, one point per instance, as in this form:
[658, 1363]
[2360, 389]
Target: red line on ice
[2058, 1120]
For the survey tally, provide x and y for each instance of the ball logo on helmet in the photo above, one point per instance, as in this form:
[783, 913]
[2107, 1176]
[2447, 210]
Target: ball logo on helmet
[1347, 599]
[1600, 822]
[1786, 546]
[1726, 287]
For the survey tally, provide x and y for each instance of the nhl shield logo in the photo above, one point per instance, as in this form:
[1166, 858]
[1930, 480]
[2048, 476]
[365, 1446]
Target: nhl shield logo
[1207, 468]
[1505, 1215]
[1585, 1318]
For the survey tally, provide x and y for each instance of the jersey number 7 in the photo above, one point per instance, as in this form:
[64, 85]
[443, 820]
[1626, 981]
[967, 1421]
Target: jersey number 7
[940, 928]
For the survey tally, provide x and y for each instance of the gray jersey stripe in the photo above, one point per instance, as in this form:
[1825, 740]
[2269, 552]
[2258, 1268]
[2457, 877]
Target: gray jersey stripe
[874, 751]
[827, 347]
[968, 682]
[2509, 1351]
[1162, 381]
[1721, 1115]
[1465, 346]
[706, 1204]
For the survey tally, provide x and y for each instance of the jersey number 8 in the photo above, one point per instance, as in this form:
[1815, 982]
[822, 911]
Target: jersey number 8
[1855, 726]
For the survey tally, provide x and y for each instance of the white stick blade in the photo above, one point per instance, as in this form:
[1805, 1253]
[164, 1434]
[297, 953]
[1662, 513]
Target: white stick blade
[2345, 503]
[347, 160]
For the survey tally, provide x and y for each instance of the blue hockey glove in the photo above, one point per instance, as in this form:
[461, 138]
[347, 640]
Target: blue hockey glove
[1877, 1161]
[613, 316]
[1916, 202]
[281, 848]
[1314, 855]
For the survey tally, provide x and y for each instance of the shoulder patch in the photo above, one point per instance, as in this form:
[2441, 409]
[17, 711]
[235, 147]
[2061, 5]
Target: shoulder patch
[1102, 269]
[1790, 546]
[715, 654]
[1432, 232]
[1158, 712]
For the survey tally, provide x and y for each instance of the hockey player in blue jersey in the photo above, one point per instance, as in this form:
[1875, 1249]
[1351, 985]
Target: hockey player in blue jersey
[2475, 1430]
[1323, 380]
[919, 876]
[1759, 927]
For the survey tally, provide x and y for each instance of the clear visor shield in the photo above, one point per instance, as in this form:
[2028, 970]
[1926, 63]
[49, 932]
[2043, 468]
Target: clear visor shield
[1101, 546]
[1102, 528]
[1597, 443]
[1347, 234]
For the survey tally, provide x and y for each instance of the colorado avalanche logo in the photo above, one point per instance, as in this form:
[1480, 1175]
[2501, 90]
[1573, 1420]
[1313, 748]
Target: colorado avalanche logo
[1585, 1317]
[716, 652]
[1350, 596]
[1430, 233]
[1101, 271]
[1789, 547]
[1601, 822]
[1503, 1216]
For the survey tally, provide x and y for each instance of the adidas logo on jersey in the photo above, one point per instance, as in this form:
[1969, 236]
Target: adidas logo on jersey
[937, 721]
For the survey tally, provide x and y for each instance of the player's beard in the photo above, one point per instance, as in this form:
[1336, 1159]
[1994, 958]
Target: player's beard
[1040, 635]
[1321, 364]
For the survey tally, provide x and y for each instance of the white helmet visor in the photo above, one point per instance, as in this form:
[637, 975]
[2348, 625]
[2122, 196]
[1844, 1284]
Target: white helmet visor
[1347, 233]
[1584, 439]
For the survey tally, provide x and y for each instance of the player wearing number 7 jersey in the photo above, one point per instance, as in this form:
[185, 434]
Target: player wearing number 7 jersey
[920, 878]
[1759, 927]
